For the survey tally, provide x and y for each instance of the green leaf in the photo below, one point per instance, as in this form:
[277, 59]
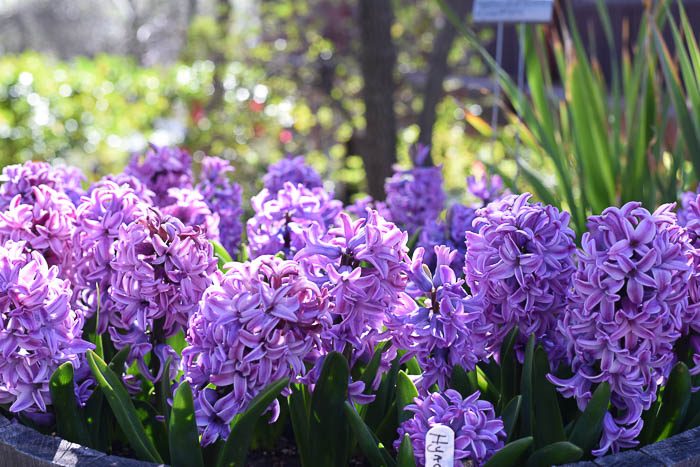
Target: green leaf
[527, 416]
[406, 457]
[70, 422]
[119, 360]
[123, 409]
[510, 369]
[510, 415]
[184, 445]
[548, 427]
[377, 410]
[562, 452]
[369, 445]
[405, 393]
[586, 431]
[221, 254]
[511, 454]
[370, 372]
[235, 451]
[328, 425]
[164, 392]
[674, 403]
[299, 415]
[461, 382]
[154, 427]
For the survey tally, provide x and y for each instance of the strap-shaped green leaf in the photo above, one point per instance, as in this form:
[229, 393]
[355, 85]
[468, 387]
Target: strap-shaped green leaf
[299, 416]
[369, 445]
[674, 403]
[70, 422]
[123, 409]
[510, 368]
[586, 431]
[221, 254]
[405, 393]
[527, 416]
[548, 427]
[463, 382]
[510, 416]
[562, 452]
[184, 445]
[511, 454]
[328, 426]
[235, 451]
[406, 457]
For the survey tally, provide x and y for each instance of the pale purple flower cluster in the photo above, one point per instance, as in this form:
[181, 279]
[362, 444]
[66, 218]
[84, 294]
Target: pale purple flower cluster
[160, 169]
[224, 198]
[364, 264]
[486, 189]
[262, 321]
[445, 327]
[45, 219]
[415, 197]
[161, 268]
[38, 329]
[520, 261]
[630, 295]
[452, 233]
[130, 181]
[478, 432]
[189, 206]
[281, 219]
[21, 179]
[293, 170]
[98, 220]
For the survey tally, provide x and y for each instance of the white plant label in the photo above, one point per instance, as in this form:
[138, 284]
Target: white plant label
[440, 447]
[512, 11]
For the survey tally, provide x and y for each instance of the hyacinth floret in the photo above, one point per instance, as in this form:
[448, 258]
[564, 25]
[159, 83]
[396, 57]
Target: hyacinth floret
[161, 268]
[364, 264]
[223, 198]
[39, 330]
[625, 314]
[45, 220]
[130, 181]
[520, 261]
[486, 189]
[478, 432]
[452, 233]
[98, 220]
[416, 196]
[20, 179]
[160, 169]
[280, 220]
[190, 207]
[293, 170]
[260, 322]
[444, 327]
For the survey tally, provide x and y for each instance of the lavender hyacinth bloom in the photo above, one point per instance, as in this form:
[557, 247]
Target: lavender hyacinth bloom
[130, 181]
[521, 261]
[99, 217]
[160, 271]
[415, 197]
[361, 206]
[364, 264]
[160, 169]
[21, 180]
[38, 329]
[189, 206]
[452, 233]
[625, 314]
[485, 188]
[478, 432]
[280, 220]
[224, 198]
[447, 328]
[257, 324]
[293, 170]
[45, 220]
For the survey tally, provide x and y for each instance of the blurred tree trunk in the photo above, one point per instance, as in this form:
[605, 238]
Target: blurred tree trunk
[218, 56]
[377, 59]
[437, 71]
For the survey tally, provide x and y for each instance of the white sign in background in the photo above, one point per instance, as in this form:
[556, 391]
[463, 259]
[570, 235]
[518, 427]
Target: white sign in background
[440, 447]
[512, 11]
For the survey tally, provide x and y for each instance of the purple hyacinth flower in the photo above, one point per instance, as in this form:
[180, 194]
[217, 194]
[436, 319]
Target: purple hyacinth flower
[260, 322]
[281, 219]
[446, 327]
[452, 233]
[224, 198]
[520, 261]
[486, 189]
[293, 170]
[478, 432]
[625, 313]
[161, 268]
[160, 169]
[190, 207]
[38, 329]
[21, 180]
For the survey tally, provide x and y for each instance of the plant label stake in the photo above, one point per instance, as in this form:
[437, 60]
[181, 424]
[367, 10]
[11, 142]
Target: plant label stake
[440, 447]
